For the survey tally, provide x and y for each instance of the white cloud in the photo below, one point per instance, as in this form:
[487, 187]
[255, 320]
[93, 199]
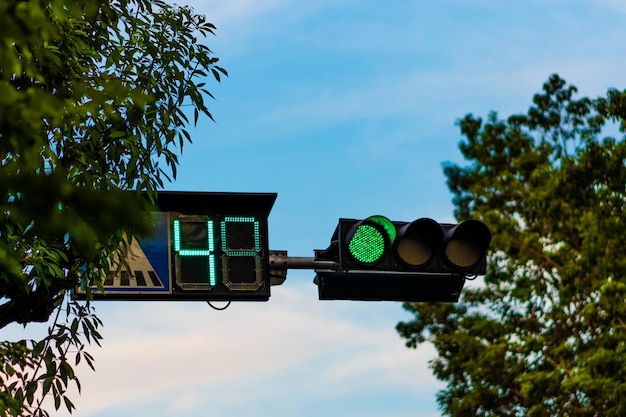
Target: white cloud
[293, 345]
[226, 12]
[239, 22]
[617, 5]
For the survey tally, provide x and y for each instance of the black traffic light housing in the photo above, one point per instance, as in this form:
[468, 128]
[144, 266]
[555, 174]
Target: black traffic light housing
[368, 286]
[422, 260]
[419, 246]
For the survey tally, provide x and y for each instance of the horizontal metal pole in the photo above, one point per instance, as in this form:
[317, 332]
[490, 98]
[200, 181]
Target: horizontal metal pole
[280, 261]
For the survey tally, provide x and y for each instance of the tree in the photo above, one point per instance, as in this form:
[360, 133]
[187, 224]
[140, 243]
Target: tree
[546, 333]
[92, 106]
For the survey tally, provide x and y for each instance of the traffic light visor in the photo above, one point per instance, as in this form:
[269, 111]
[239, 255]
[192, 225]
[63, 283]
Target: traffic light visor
[368, 240]
[466, 244]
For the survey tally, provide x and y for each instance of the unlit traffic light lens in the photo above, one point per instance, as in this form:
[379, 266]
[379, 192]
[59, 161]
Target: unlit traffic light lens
[465, 245]
[418, 242]
[462, 254]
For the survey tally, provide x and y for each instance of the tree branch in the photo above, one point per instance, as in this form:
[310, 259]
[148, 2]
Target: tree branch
[36, 306]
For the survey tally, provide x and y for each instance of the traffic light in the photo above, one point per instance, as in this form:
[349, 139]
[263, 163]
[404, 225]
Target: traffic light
[422, 260]
[206, 246]
[377, 243]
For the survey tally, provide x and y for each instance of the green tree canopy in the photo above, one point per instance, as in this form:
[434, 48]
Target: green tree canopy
[546, 333]
[95, 101]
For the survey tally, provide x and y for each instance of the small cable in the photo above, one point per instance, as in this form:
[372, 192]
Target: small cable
[218, 308]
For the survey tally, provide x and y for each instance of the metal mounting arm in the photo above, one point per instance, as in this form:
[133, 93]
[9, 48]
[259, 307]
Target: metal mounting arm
[280, 263]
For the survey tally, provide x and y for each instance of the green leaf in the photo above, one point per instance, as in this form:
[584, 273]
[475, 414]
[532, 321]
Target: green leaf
[47, 384]
[68, 404]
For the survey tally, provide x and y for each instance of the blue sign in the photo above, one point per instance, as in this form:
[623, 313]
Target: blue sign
[143, 267]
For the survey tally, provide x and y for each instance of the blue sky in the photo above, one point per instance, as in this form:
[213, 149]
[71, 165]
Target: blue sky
[345, 109]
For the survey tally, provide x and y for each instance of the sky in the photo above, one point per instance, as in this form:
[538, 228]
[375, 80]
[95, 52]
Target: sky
[345, 109]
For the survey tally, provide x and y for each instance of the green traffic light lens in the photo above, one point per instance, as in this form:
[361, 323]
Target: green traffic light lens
[369, 240]
[367, 245]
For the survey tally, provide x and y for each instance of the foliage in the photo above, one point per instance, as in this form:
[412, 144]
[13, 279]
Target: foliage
[92, 99]
[32, 370]
[546, 333]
